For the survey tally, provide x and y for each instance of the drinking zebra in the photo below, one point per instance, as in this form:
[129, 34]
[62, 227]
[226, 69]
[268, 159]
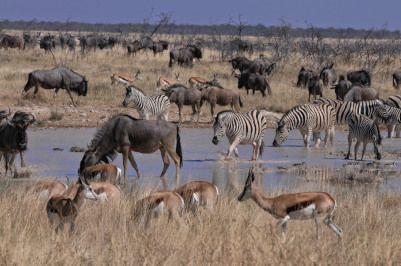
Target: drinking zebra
[246, 128]
[388, 115]
[147, 105]
[308, 118]
[364, 130]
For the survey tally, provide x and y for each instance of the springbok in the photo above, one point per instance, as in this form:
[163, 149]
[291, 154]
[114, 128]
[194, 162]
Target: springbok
[159, 203]
[62, 209]
[296, 206]
[198, 82]
[164, 82]
[124, 79]
[107, 172]
[106, 192]
[199, 193]
[48, 188]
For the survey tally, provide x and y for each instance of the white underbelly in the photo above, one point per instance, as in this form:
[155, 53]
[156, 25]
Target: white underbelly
[159, 209]
[305, 213]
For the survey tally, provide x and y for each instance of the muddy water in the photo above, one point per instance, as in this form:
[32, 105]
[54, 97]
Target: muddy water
[202, 159]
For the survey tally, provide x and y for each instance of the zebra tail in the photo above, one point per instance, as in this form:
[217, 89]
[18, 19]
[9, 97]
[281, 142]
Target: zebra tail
[178, 148]
[261, 148]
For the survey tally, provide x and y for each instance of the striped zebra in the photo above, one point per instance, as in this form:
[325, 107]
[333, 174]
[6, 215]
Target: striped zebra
[364, 130]
[344, 109]
[395, 101]
[245, 128]
[308, 118]
[388, 115]
[147, 105]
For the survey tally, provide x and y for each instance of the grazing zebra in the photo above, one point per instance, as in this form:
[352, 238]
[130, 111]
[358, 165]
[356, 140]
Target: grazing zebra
[246, 128]
[395, 101]
[147, 105]
[308, 118]
[345, 109]
[364, 130]
[388, 115]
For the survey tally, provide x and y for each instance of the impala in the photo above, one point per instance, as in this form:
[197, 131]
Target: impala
[198, 82]
[62, 209]
[163, 82]
[107, 172]
[296, 206]
[159, 203]
[199, 193]
[49, 188]
[124, 79]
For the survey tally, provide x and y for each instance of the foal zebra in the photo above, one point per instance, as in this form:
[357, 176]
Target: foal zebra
[147, 105]
[365, 130]
[246, 128]
[390, 116]
[308, 118]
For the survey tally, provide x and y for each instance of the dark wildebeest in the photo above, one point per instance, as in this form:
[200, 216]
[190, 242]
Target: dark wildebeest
[241, 63]
[29, 40]
[47, 43]
[181, 95]
[133, 47]
[146, 42]
[67, 41]
[328, 75]
[260, 65]
[13, 138]
[315, 87]
[359, 77]
[57, 78]
[342, 87]
[125, 134]
[254, 82]
[10, 41]
[304, 76]
[220, 96]
[159, 47]
[396, 79]
[360, 93]
[184, 56]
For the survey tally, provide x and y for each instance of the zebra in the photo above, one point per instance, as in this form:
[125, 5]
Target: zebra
[241, 128]
[308, 118]
[344, 109]
[147, 105]
[388, 115]
[365, 130]
[395, 101]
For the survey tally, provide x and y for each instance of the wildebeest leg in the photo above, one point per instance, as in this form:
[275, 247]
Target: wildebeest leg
[363, 149]
[177, 161]
[133, 163]
[212, 109]
[166, 164]
[125, 151]
[349, 146]
[21, 154]
[55, 93]
[179, 113]
[194, 113]
[198, 105]
[69, 94]
[35, 91]
[356, 148]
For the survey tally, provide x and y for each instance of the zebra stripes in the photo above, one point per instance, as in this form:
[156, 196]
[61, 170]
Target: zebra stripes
[395, 101]
[345, 109]
[147, 105]
[364, 130]
[308, 118]
[390, 116]
[246, 128]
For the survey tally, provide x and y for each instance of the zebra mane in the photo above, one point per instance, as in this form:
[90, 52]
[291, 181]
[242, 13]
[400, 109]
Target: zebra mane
[138, 89]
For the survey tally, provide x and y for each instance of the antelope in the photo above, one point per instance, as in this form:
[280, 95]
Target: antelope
[124, 79]
[107, 172]
[49, 188]
[62, 209]
[198, 82]
[105, 191]
[164, 82]
[296, 206]
[199, 193]
[159, 203]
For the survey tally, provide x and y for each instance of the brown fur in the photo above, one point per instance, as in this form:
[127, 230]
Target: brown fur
[112, 192]
[54, 187]
[223, 97]
[107, 172]
[206, 191]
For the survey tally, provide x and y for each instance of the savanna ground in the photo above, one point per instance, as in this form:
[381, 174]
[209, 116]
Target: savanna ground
[236, 233]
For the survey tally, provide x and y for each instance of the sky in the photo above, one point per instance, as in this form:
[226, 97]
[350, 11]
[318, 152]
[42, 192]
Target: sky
[299, 13]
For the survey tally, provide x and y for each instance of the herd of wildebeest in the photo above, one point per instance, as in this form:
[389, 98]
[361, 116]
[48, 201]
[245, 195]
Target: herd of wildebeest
[125, 134]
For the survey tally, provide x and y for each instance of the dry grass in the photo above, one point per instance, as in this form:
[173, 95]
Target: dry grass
[236, 234]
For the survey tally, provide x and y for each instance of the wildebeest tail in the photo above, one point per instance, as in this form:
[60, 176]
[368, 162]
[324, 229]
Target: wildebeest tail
[240, 102]
[261, 148]
[178, 148]
[29, 83]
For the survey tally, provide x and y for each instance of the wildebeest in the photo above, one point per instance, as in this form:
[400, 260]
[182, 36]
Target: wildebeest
[342, 87]
[315, 87]
[181, 95]
[29, 40]
[47, 43]
[159, 47]
[67, 41]
[254, 82]
[360, 93]
[220, 96]
[242, 46]
[184, 56]
[304, 76]
[261, 65]
[57, 78]
[14, 139]
[359, 77]
[241, 63]
[328, 75]
[125, 134]
[11, 41]
[134, 47]
[396, 79]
